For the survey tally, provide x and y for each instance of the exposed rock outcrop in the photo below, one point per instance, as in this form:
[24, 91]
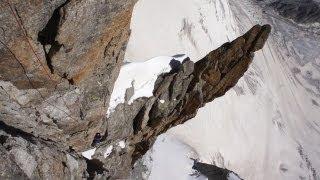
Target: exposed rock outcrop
[59, 60]
[213, 172]
[177, 97]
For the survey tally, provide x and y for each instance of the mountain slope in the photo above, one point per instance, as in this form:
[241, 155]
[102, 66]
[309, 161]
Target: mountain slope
[268, 126]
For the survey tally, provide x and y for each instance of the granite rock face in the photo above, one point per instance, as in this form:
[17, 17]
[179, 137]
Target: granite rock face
[59, 60]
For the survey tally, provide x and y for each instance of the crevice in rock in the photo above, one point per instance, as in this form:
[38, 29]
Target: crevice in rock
[94, 167]
[153, 123]
[137, 121]
[64, 164]
[70, 80]
[16, 132]
[140, 149]
[55, 47]
[81, 114]
[47, 36]
[3, 139]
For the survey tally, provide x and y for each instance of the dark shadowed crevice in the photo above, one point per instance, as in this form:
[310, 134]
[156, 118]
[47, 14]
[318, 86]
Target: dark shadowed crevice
[137, 121]
[16, 132]
[140, 149]
[154, 122]
[70, 80]
[47, 36]
[94, 167]
[3, 139]
[49, 33]
[175, 65]
[64, 164]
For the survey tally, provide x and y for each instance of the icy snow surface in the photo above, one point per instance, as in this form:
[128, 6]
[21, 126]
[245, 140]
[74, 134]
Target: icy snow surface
[108, 151]
[140, 75]
[268, 125]
[170, 159]
[232, 176]
[167, 27]
[89, 153]
[122, 144]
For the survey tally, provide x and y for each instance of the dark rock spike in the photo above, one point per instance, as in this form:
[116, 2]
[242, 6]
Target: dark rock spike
[212, 77]
[212, 172]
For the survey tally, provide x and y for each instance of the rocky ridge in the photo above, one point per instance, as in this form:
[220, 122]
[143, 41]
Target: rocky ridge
[59, 61]
[177, 97]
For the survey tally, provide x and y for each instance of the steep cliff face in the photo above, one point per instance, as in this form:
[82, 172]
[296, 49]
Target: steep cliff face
[59, 62]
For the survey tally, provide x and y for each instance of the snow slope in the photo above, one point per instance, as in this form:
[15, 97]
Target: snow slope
[168, 27]
[268, 126]
[170, 158]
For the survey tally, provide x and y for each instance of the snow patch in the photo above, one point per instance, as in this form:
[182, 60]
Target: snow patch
[171, 159]
[89, 153]
[192, 27]
[162, 101]
[108, 151]
[142, 76]
[122, 144]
